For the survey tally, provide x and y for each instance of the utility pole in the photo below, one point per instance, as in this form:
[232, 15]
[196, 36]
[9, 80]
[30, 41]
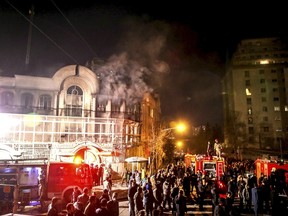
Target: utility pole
[27, 59]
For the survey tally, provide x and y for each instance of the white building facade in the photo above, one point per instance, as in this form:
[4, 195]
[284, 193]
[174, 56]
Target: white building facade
[65, 117]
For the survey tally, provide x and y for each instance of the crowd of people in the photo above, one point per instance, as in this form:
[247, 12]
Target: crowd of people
[173, 187]
[83, 204]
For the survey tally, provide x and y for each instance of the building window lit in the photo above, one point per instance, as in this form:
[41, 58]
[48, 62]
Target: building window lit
[286, 108]
[73, 102]
[276, 108]
[151, 112]
[248, 92]
[250, 111]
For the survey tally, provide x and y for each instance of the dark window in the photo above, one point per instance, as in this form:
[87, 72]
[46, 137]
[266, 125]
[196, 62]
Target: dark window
[247, 83]
[7, 98]
[27, 100]
[249, 101]
[45, 102]
[247, 73]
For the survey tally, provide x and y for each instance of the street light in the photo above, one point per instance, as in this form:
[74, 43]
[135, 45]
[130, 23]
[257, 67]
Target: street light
[158, 143]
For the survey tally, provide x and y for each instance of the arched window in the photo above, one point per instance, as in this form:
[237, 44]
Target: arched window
[7, 98]
[27, 102]
[45, 102]
[74, 101]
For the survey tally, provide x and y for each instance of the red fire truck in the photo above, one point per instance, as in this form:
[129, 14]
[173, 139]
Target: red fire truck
[25, 182]
[265, 166]
[206, 164]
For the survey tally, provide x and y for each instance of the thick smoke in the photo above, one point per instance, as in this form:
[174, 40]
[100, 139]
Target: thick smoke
[122, 78]
[138, 67]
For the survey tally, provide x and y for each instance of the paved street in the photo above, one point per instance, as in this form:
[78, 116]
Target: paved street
[193, 209]
[123, 205]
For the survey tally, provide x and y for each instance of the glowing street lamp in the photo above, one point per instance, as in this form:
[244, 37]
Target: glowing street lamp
[179, 144]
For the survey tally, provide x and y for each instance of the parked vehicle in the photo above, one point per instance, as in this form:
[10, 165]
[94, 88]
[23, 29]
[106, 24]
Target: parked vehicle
[26, 182]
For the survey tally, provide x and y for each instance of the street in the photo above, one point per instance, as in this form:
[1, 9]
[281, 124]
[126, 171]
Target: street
[193, 209]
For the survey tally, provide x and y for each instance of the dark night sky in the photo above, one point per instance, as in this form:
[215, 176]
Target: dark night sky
[184, 45]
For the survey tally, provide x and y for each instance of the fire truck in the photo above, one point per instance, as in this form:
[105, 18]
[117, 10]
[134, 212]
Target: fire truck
[27, 182]
[206, 164]
[265, 166]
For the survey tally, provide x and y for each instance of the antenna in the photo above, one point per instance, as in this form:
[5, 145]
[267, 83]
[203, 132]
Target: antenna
[27, 60]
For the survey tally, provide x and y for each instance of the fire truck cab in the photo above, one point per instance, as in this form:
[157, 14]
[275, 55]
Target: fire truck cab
[211, 165]
[27, 182]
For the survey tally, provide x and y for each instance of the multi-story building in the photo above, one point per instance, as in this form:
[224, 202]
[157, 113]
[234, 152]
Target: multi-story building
[66, 116]
[255, 91]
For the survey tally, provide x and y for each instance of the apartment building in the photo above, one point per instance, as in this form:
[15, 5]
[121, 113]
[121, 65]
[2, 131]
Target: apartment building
[255, 93]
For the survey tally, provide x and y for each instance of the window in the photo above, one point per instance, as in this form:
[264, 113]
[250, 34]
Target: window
[27, 100]
[274, 80]
[45, 102]
[7, 98]
[265, 118]
[261, 71]
[275, 89]
[286, 108]
[264, 109]
[266, 129]
[250, 111]
[277, 118]
[277, 108]
[247, 73]
[248, 92]
[263, 90]
[74, 100]
[247, 83]
[250, 130]
[249, 101]
[262, 80]
[263, 99]
[250, 120]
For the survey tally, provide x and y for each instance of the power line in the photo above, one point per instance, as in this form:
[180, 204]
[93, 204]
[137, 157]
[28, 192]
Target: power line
[75, 30]
[49, 38]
